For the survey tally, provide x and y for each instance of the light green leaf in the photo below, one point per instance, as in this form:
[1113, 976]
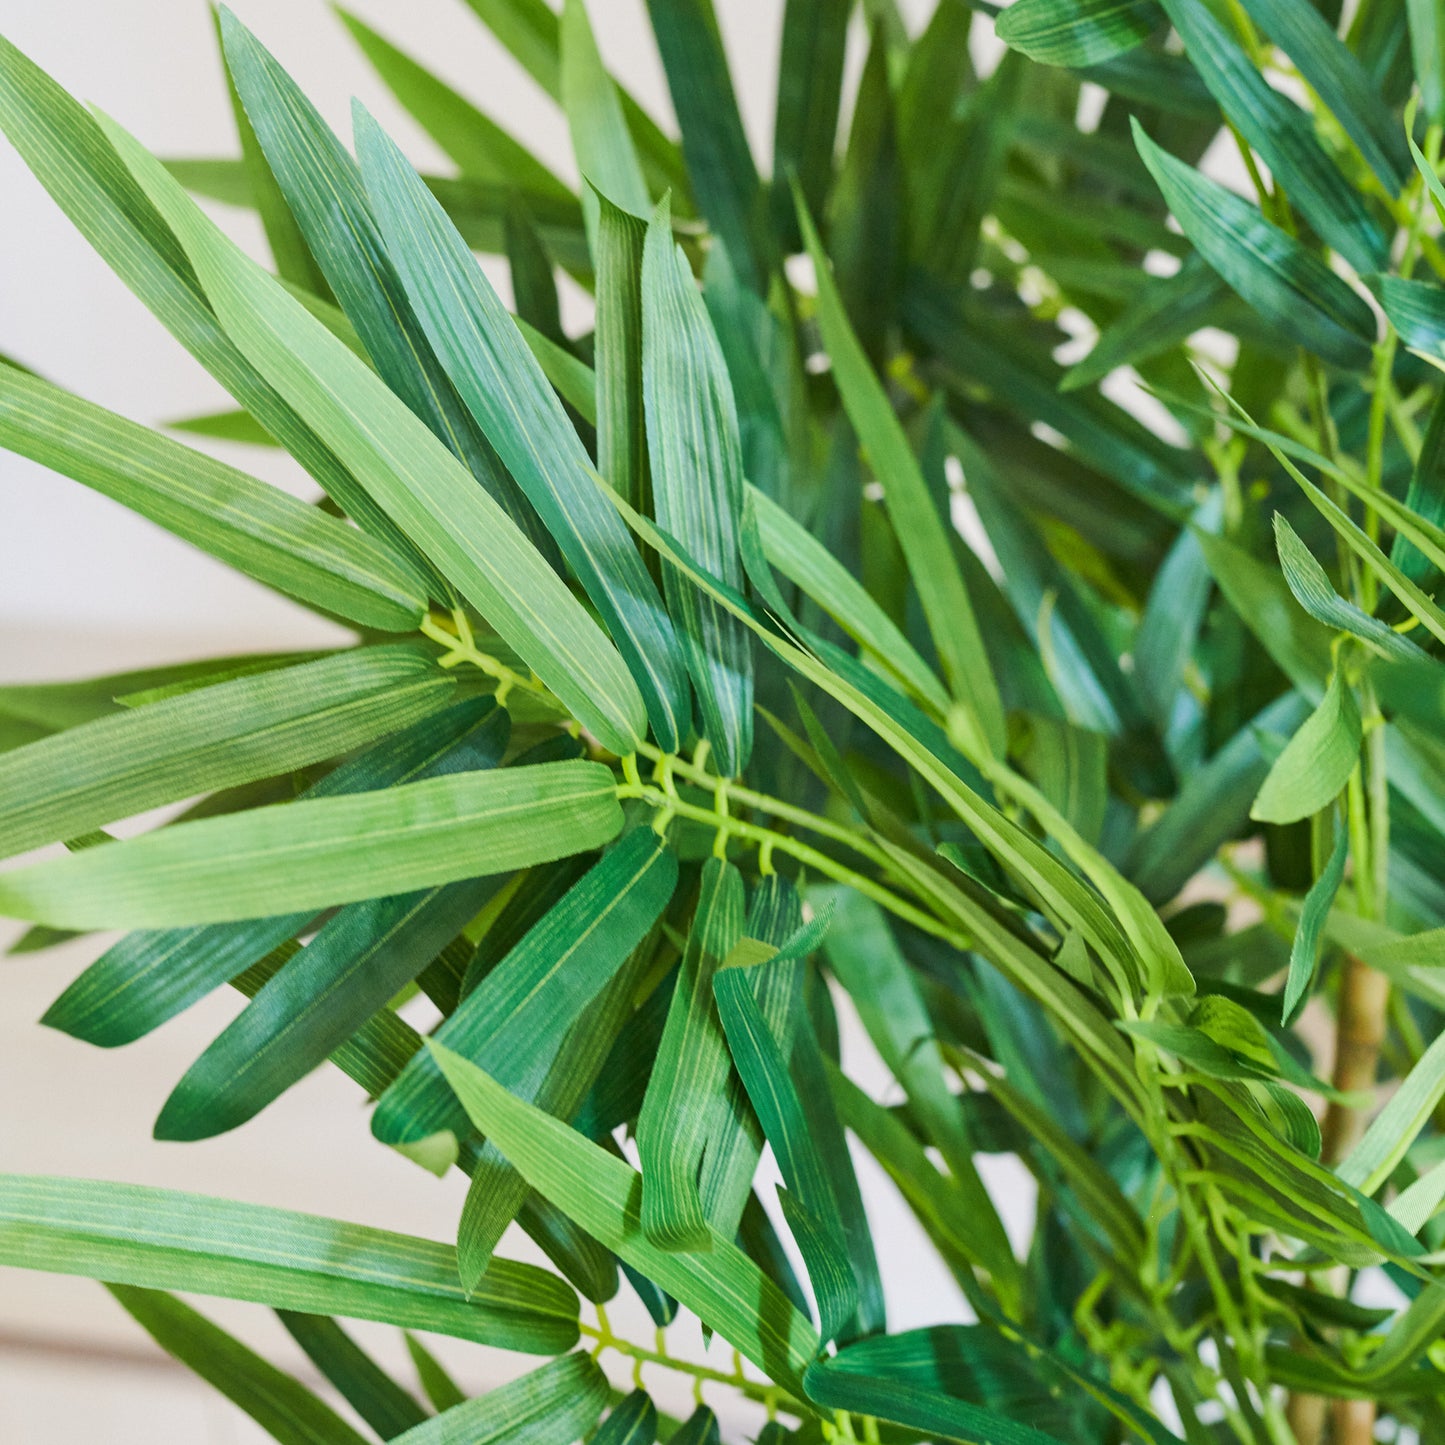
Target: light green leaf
[1427, 46]
[1396, 1126]
[1312, 590]
[511, 1021]
[1304, 951]
[215, 737]
[507, 393]
[621, 410]
[162, 1239]
[150, 976]
[437, 1385]
[605, 152]
[258, 529]
[1076, 32]
[421, 485]
[308, 855]
[1317, 762]
[554, 1405]
[1290, 287]
[697, 484]
[604, 1195]
[64, 145]
[810, 566]
[282, 1406]
[921, 532]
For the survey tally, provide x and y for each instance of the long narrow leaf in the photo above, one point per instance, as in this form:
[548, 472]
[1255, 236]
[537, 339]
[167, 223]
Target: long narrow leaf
[311, 854]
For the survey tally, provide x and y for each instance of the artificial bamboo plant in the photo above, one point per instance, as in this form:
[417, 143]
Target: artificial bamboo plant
[982, 573]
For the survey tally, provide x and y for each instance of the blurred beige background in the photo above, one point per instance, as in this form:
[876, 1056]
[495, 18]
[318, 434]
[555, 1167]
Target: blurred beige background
[85, 587]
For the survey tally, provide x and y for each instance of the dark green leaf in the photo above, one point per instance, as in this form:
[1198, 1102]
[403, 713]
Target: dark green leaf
[525, 1004]
[365, 1386]
[283, 1407]
[1291, 288]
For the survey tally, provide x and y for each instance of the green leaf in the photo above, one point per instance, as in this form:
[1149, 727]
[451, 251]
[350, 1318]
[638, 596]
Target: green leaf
[554, 1405]
[530, 30]
[921, 532]
[1416, 309]
[293, 259]
[64, 145]
[700, 1428]
[869, 964]
[1316, 764]
[678, 1122]
[282, 1406]
[605, 153]
[437, 1385]
[1284, 136]
[258, 529]
[478, 145]
[233, 425]
[1312, 590]
[521, 1009]
[604, 1195]
[1427, 46]
[1260, 596]
[1291, 289]
[1396, 1126]
[506, 392]
[1164, 312]
[310, 854]
[811, 567]
[621, 411]
[697, 483]
[762, 1065]
[149, 977]
[362, 1383]
[714, 144]
[1305, 950]
[215, 737]
[810, 89]
[633, 1421]
[162, 1239]
[926, 1380]
[430, 495]
[324, 190]
[364, 955]
[1336, 75]
[1076, 32]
